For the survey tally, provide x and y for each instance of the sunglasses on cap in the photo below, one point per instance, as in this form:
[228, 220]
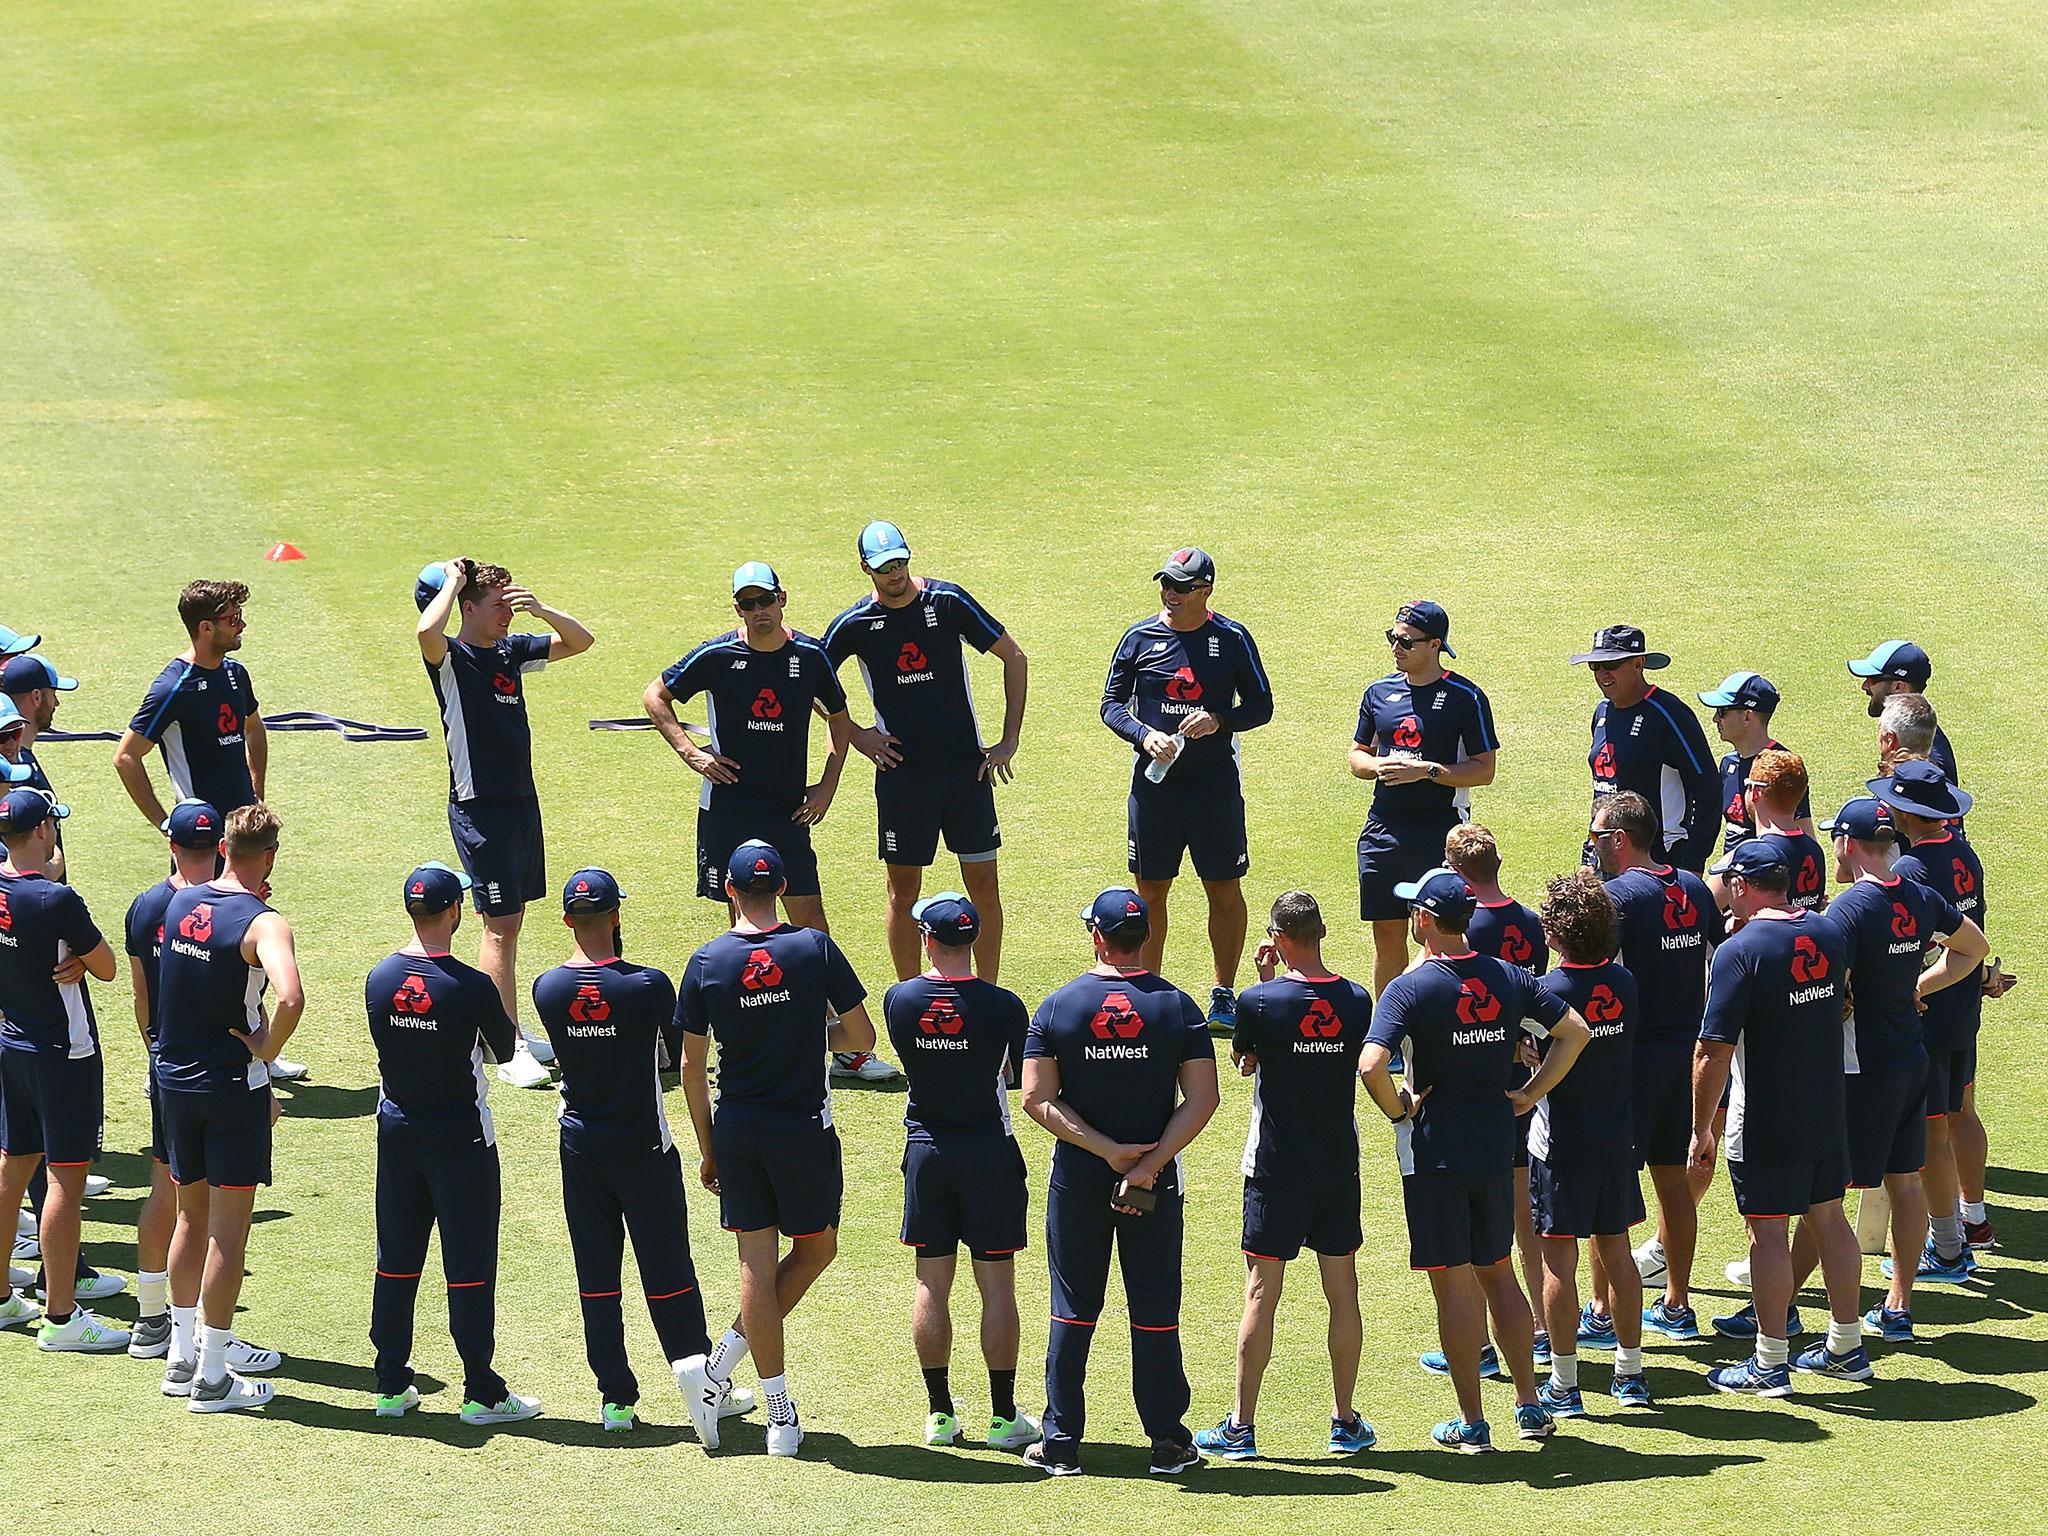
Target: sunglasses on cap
[1184, 586]
[749, 604]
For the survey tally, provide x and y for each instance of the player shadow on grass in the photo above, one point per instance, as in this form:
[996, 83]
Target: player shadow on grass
[1561, 1462]
[898, 1461]
[1922, 1402]
[1979, 1354]
[2015, 1181]
[343, 1375]
[447, 1428]
[324, 1101]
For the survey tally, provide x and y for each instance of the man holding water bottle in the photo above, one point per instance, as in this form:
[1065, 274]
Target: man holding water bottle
[1181, 686]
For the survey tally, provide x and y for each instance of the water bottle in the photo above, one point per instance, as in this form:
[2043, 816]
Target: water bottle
[1155, 770]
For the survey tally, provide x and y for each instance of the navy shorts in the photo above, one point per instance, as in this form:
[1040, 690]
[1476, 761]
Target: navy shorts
[1394, 853]
[53, 1104]
[1949, 1072]
[219, 1137]
[1203, 818]
[913, 806]
[1663, 1102]
[1283, 1216]
[719, 832]
[159, 1149]
[1887, 1123]
[1592, 1201]
[1459, 1218]
[780, 1176]
[1788, 1189]
[967, 1191]
[500, 844]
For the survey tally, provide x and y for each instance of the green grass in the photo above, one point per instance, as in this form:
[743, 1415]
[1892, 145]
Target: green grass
[1725, 322]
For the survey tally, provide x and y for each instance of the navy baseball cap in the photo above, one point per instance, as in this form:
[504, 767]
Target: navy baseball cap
[756, 573]
[1115, 910]
[434, 887]
[1865, 819]
[1441, 892]
[430, 581]
[755, 865]
[1742, 690]
[192, 824]
[948, 917]
[591, 891]
[1752, 856]
[1430, 618]
[1188, 564]
[880, 543]
[1622, 642]
[1920, 788]
[22, 674]
[1896, 658]
[12, 644]
[26, 809]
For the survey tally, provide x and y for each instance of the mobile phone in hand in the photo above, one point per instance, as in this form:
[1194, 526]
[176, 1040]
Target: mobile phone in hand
[1137, 1199]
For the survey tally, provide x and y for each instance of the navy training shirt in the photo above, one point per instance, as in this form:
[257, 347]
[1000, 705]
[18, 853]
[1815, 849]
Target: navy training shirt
[1510, 931]
[1735, 804]
[1656, 748]
[955, 1036]
[1307, 1032]
[1888, 927]
[42, 922]
[1587, 1121]
[1447, 721]
[197, 716]
[205, 989]
[1160, 675]
[1461, 1017]
[1669, 927]
[431, 1017]
[763, 997]
[605, 1024]
[758, 707]
[915, 668]
[143, 932]
[1118, 1042]
[37, 779]
[1775, 994]
[1949, 866]
[482, 693]
[1808, 865]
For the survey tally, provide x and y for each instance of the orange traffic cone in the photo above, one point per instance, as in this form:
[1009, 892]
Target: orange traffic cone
[285, 552]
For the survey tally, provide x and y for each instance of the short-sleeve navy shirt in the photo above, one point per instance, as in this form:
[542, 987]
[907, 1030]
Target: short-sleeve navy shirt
[759, 714]
[913, 662]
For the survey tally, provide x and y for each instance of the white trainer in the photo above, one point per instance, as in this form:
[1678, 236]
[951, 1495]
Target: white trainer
[784, 1439]
[1021, 1431]
[228, 1394]
[249, 1359]
[285, 1071]
[522, 1071]
[1737, 1271]
[26, 1247]
[18, 1309]
[737, 1400]
[81, 1333]
[539, 1047]
[511, 1411]
[97, 1184]
[93, 1287]
[397, 1405]
[24, 1222]
[1650, 1262]
[701, 1396]
[21, 1279]
[862, 1067]
[178, 1377]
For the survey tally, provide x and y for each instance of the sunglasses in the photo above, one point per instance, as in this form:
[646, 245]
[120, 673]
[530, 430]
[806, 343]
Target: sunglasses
[1183, 587]
[1405, 642]
[890, 567]
[749, 604]
[1599, 832]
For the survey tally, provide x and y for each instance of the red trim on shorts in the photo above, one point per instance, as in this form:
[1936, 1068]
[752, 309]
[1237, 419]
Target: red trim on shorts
[1155, 1327]
[595, 1295]
[1423, 1269]
[465, 1285]
[86, 1162]
[798, 1236]
[1270, 1258]
[234, 1186]
[385, 1274]
[993, 1252]
[671, 1295]
[1075, 1322]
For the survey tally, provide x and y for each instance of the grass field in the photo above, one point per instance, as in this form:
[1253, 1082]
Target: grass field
[1724, 321]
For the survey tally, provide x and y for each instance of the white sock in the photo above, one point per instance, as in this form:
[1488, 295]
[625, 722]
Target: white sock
[1654, 1248]
[1973, 1212]
[213, 1352]
[152, 1290]
[1844, 1338]
[1564, 1371]
[184, 1334]
[1772, 1352]
[776, 1390]
[726, 1355]
[1628, 1362]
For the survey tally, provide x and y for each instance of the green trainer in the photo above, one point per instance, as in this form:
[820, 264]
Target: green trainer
[393, 1405]
[941, 1429]
[617, 1417]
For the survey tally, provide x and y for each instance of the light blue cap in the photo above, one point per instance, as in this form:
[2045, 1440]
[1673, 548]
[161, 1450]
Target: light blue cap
[756, 573]
[880, 543]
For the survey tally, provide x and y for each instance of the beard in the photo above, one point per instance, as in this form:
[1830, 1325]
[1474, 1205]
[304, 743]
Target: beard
[1874, 708]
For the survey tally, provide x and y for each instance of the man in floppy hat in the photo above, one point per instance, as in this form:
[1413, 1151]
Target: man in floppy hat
[1647, 740]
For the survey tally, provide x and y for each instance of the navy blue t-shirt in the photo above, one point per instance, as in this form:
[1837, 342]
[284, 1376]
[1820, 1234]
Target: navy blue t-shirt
[37, 779]
[1656, 748]
[1160, 675]
[1587, 1121]
[915, 670]
[205, 989]
[431, 1016]
[1776, 996]
[1446, 721]
[1119, 1042]
[482, 693]
[1307, 1032]
[1510, 931]
[1888, 927]
[758, 707]
[955, 1036]
[763, 997]
[1461, 1017]
[197, 716]
[605, 1024]
[1808, 866]
[1669, 926]
[144, 933]
[1949, 866]
[1735, 816]
[42, 921]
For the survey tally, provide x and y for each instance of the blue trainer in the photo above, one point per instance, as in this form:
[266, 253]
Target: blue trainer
[1935, 1270]
[1595, 1331]
[1533, 1422]
[1559, 1402]
[1819, 1361]
[1222, 1010]
[1892, 1327]
[1230, 1440]
[1457, 1435]
[1543, 1349]
[1631, 1391]
[1742, 1325]
[1348, 1437]
[1489, 1363]
[1672, 1322]
[1752, 1378]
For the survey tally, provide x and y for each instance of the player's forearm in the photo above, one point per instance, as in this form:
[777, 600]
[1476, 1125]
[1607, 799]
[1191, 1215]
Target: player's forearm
[660, 705]
[1472, 773]
[135, 779]
[256, 737]
[1058, 1118]
[1953, 966]
[697, 1094]
[1365, 762]
[1248, 714]
[432, 629]
[1566, 1042]
[1016, 685]
[1710, 1063]
[575, 638]
[1187, 1121]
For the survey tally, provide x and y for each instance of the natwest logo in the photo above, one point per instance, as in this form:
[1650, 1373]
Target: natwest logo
[1116, 1018]
[941, 1017]
[761, 971]
[6, 916]
[1903, 924]
[1476, 1002]
[766, 706]
[1808, 963]
[412, 996]
[197, 925]
[1183, 686]
[1679, 911]
[911, 658]
[1321, 1021]
[505, 683]
[1515, 947]
[1602, 1006]
[1965, 879]
[589, 1005]
[1603, 761]
[1408, 734]
[227, 720]
[1809, 876]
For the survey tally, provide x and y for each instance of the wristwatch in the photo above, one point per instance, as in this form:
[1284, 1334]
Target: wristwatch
[1436, 771]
